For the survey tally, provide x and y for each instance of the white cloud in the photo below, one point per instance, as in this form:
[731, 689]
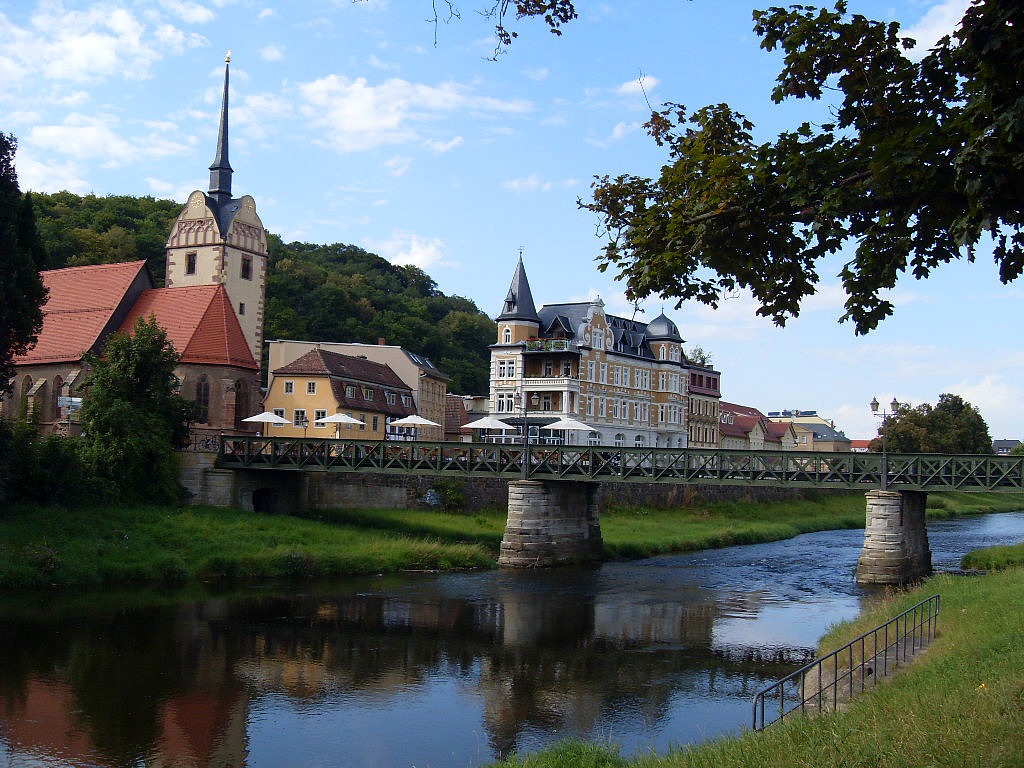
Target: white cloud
[410, 248]
[643, 84]
[266, 13]
[940, 20]
[397, 166]
[996, 399]
[354, 115]
[190, 13]
[537, 74]
[177, 41]
[621, 130]
[100, 137]
[49, 176]
[272, 53]
[534, 183]
[440, 147]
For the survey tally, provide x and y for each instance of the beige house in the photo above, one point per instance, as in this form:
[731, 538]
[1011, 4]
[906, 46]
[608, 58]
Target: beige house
[322, 383]
[746, 428]
[628, 380]
[427, 384]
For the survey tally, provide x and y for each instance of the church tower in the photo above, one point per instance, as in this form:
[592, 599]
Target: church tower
[219, 239]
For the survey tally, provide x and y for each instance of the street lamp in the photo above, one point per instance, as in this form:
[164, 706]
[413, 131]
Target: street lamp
[894, 407]
[520, 401]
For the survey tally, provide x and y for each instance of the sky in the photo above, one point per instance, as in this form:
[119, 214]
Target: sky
[362, 122]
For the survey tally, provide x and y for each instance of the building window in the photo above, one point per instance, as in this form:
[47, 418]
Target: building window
[310, 387]
[299, 418]
[591, 366]
[593, 439]
[505, 402]
[350, 391]
[506, 369]
[376, 423]
[319, 414]
[278, 412]
[190, 263]
[289, 387]
[638, 441]
[367, 393]
[246, 269]
[406, 401]
[241, 308]
[620, 439]
[362, 421]
[604, 373]
[203, 400]
[507, 335]
[390, 397]
[549, 368]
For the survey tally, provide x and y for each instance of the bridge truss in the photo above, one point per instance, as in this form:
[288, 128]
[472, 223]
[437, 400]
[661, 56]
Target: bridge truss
[803, 469]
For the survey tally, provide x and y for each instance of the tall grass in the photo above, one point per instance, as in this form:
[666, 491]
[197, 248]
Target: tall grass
[960, 704]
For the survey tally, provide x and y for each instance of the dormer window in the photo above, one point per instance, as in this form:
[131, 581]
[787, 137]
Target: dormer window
[507, 335]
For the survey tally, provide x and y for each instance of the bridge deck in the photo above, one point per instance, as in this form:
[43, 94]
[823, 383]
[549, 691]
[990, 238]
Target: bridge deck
[858, 471]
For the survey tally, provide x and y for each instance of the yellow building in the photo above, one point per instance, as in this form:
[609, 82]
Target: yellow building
[321, 383]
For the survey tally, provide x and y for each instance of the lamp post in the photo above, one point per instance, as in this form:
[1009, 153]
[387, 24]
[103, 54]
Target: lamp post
[520, 400]
[884, 415]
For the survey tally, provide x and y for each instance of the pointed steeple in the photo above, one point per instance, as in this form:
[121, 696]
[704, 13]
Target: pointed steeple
[519, 302]
[220, 170]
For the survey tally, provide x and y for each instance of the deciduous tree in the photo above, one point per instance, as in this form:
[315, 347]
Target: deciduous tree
[920, 162]
[132, 419]
[951, 426]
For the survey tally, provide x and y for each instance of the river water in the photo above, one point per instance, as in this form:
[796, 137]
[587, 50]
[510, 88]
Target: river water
[429, 670]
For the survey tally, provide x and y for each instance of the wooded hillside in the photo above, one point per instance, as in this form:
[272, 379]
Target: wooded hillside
[314, 292]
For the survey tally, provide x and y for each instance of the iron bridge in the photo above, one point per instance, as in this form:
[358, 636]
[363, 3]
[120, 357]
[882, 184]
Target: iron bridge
[803, 469]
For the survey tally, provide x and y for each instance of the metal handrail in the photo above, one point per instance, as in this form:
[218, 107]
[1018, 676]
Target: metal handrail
[833, 679]
[705, 466]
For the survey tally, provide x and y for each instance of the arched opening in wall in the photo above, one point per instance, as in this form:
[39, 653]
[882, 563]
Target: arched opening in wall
[264, 500]
[242, 400]
[23, 400]
[55, 394]
[202, 400]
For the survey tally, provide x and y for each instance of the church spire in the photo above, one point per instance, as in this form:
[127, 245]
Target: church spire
[220, 170]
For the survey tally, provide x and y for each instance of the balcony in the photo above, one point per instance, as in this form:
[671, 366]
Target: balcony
[549, 345]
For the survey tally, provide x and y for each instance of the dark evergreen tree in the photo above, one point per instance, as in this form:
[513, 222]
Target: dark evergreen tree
[21, 289]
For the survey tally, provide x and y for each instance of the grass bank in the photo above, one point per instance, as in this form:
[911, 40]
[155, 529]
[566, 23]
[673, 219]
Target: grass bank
[101, 546]
[960, 704]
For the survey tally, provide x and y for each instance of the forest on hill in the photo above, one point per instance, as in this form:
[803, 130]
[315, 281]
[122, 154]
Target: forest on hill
[314, 292]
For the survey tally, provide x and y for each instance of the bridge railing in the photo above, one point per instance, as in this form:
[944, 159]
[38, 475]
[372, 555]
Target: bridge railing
[805, 469]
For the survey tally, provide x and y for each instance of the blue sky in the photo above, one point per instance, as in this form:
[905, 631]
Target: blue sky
[350, 124]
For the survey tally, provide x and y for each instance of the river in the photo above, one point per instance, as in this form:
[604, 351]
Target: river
[430, 669]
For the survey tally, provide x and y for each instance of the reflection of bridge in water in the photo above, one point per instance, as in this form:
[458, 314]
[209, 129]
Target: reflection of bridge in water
[553, 515]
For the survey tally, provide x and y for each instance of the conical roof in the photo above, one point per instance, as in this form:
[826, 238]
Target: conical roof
[519, 301]
[663, 329]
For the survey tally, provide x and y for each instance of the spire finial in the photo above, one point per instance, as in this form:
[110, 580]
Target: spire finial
[227, 58]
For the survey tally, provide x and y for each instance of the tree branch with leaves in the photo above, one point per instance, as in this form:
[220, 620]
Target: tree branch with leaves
[920, 164]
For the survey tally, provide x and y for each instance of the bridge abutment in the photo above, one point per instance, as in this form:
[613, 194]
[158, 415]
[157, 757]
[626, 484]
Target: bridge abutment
[895, 539]
[551, 522]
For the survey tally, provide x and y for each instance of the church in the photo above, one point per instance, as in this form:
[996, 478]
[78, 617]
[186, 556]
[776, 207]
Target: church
[211, 308]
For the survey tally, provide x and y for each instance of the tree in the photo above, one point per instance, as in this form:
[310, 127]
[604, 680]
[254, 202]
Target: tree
[700, 356]
[132, 419]
[951, 426]
[22, 293]
[918, 164]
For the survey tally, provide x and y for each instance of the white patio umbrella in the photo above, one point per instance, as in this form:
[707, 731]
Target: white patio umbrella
[487, 422]
[338, 419]
[268, 417]
[572, 424]
[414, 420]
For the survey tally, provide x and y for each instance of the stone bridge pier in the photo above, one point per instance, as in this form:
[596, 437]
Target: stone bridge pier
[895, 539]
[551, 522]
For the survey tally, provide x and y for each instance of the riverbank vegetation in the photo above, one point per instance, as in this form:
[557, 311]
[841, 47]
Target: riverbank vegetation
[103, 545]
[961, 703]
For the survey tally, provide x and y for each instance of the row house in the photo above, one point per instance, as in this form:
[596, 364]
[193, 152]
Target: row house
[629, 381]
[746, 428]
[429, 386]
[321, 383]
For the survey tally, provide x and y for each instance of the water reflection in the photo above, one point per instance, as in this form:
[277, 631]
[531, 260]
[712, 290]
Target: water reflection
[433, 670]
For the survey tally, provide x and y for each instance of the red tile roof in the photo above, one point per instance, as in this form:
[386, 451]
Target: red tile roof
[82, 304]
[346, 370]
[200, 323]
